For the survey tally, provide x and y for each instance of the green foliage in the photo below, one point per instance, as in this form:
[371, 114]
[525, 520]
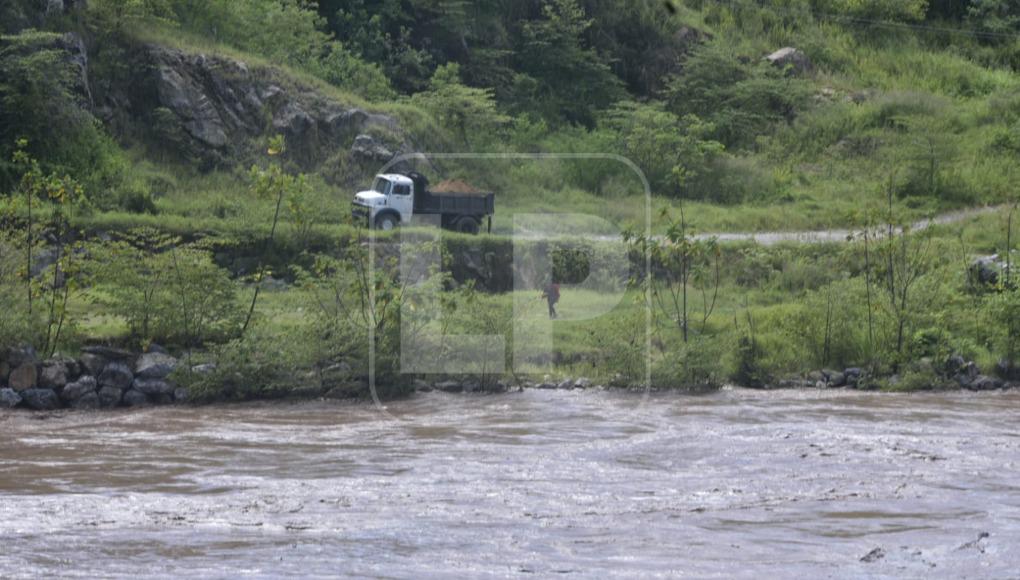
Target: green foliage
[885, 10]
[740, 101]
[560, 77]
[469, 113]
[167, 292]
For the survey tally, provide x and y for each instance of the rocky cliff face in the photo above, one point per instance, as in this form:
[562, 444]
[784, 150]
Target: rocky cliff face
[218, 112]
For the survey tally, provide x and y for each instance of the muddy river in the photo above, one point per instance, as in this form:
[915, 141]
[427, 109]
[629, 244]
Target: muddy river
[737, 484]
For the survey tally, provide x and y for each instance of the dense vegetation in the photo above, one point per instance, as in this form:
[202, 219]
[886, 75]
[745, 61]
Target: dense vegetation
[910, 107]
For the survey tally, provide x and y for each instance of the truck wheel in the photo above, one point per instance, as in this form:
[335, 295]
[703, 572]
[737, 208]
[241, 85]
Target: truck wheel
[385, 222]
[467, 225]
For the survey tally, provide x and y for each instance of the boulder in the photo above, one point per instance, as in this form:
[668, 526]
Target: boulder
[181, 394]
[54, 375]
[110, 397]
[153, 347]
[88, 401]
[5, 371]
[983, 383]
[153, 387]
[116, 374]
[133, 398]
[154, 365]
[92, 364]
[565, 384]
[450, 387]
[9, 398]
[421, 386]
[791, 60]
[837, 379]
[582, 383]
[966, 375]
[41, 399]
[987, 269]
[1008, 370]
[23, 377]
[366, 148]
[78, 389]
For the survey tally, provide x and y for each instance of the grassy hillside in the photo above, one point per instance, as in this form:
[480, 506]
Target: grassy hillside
[898, 110]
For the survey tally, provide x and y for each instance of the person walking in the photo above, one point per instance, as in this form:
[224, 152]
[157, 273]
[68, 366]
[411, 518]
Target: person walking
[552, 296]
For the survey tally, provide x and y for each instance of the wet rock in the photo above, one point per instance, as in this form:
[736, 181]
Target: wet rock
[450, 387]
[92, 364]
[9, 398]
[133, 398]
[582, 383]
[153, 387]
[41, 399]
[154, 365]
[116, 374]
[421, 386]
[791, 60]
[565, 384]
[472, 386]
[110, 397]
[181, 394]
[54, 375]
[983, 383]
[88, 401]
[162, 399]
[954, 364]
[153, 347]
[966, 375]
[78, 389]
[1008, 370]
[853, 376]
[5, 371]
[836, 379]
[23, 377]
[873, 556]
[545, 385]
[816, 377]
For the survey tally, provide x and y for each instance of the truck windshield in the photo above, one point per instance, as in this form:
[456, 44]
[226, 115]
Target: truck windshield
[382, 185]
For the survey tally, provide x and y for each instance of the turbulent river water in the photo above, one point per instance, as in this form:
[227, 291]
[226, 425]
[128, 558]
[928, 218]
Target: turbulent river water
[579, 483]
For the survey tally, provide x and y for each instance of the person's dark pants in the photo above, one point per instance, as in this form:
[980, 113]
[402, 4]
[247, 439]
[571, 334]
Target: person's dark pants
[552, 309]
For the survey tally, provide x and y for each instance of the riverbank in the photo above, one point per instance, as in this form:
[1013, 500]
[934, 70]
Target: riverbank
[104, 377]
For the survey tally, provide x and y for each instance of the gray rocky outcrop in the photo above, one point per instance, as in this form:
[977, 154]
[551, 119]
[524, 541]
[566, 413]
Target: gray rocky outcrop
[219, 111]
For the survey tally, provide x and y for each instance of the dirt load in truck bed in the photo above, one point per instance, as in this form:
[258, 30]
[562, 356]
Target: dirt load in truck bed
[454, 186]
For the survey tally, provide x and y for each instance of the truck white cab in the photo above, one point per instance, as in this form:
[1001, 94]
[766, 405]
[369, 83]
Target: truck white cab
[395, 198]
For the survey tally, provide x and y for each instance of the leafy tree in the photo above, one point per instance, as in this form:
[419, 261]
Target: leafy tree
[741, 101]
[468, 112]
[562, 78]
[673, 152]
[891, 10]
[995, 16]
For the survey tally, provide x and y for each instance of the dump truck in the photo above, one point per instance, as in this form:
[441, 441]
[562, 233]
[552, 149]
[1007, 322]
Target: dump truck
[395, 198]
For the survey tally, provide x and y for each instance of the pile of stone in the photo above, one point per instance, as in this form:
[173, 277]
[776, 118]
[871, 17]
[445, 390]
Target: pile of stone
[100, 378]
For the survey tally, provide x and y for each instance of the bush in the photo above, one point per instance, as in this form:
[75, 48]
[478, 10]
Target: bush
[167, 294]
